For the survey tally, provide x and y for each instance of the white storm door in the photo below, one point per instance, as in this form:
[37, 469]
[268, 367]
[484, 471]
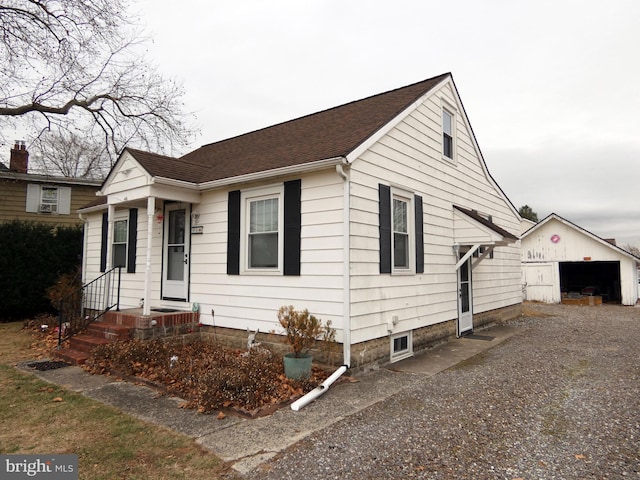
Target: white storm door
[465, 299]
[175, 253]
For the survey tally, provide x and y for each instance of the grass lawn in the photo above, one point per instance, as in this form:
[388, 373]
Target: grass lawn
[41, 418]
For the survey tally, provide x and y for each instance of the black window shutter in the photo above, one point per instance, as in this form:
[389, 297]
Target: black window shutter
[233, 233]
[133, 239]
[384, 214]
[103, 243]
[419, 234]
[292, 227]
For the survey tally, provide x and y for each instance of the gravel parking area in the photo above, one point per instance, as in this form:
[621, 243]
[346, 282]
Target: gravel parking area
[559, 400]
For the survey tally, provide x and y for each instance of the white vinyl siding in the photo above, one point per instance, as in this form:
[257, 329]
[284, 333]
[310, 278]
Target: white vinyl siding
[410, 155]
[256, 298]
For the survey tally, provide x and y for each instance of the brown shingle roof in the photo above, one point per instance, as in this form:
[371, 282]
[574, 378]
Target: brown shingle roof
[168, 167]
[331, 133]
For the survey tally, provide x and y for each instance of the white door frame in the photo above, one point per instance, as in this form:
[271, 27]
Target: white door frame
[176, 251]
[465, 299]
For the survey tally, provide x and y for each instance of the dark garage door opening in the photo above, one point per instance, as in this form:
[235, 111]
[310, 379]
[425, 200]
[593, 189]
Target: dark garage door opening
[604, 276]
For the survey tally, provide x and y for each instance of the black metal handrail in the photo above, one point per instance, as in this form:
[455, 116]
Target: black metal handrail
[89, 303]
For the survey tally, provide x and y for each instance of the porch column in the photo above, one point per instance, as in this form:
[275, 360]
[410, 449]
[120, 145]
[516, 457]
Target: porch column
[151, 206]
[109, 289]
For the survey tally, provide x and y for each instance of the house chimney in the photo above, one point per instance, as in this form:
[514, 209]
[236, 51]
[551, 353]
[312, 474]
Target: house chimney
[19, 161]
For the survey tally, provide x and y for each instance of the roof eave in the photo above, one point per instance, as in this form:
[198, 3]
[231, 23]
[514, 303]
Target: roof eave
[277, 172]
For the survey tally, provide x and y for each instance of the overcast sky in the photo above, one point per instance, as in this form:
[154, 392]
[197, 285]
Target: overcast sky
[551, 88]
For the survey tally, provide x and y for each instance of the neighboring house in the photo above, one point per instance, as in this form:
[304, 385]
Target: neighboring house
[40, 198]
[560, 258]
[379, 215]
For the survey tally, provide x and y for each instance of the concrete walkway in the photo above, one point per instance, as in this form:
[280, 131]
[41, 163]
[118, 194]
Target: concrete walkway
[247, 443]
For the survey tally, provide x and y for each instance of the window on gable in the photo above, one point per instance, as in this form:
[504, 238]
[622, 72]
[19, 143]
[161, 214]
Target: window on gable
[447, 134]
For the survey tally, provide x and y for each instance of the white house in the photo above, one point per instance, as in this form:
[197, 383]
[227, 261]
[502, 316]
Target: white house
[559, 257]
[379, 215]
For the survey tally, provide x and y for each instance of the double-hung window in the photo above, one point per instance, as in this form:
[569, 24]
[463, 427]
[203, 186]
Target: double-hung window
[49, 199]
[401, 229]
[263, 234]
[401, 241]
[264, 227]
[447, 134]
[124, 240]
[120, 236]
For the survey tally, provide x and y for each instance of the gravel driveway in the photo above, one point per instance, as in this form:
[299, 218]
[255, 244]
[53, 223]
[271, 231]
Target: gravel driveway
[559, 400]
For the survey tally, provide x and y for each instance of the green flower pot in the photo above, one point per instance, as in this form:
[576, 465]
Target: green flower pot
[297, 368]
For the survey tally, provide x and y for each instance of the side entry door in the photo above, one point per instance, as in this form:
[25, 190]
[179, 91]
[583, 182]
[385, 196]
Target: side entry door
[465, 299]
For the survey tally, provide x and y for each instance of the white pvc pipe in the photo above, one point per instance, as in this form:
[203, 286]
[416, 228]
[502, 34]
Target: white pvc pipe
[319, 390]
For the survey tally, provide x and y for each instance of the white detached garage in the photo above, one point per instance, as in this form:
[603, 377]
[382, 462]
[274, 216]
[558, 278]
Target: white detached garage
[559, 257]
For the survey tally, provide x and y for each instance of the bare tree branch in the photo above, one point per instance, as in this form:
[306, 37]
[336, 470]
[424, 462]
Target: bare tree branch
[67, 65]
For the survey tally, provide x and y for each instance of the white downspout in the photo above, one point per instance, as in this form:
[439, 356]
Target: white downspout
[151, 206]
[346, 267]
[319, 390]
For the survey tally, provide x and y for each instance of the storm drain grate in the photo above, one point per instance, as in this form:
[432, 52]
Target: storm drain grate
[47, 365]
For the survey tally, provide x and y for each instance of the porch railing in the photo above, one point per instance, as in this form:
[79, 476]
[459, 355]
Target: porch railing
[89, 303]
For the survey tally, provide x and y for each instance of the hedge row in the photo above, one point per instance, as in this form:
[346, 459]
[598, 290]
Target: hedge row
[32, 257]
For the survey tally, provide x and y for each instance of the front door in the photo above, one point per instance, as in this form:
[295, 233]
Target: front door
[465, 299]
[175, 254]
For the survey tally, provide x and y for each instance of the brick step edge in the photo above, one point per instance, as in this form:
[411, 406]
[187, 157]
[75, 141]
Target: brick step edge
[84, 343]
[73, 357]
[110, 331]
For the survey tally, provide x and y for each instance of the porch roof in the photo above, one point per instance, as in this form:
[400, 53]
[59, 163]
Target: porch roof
[471, 228]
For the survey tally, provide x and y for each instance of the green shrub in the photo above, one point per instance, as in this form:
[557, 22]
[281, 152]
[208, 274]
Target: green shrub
[34, 256]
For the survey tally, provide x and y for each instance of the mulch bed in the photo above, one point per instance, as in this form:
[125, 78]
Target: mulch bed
[209, 377]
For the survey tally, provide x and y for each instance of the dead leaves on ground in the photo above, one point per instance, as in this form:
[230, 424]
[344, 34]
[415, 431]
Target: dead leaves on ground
[209, 377]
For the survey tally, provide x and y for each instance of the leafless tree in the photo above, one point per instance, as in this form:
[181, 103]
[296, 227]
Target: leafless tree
[75, 67]
[68, 154]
